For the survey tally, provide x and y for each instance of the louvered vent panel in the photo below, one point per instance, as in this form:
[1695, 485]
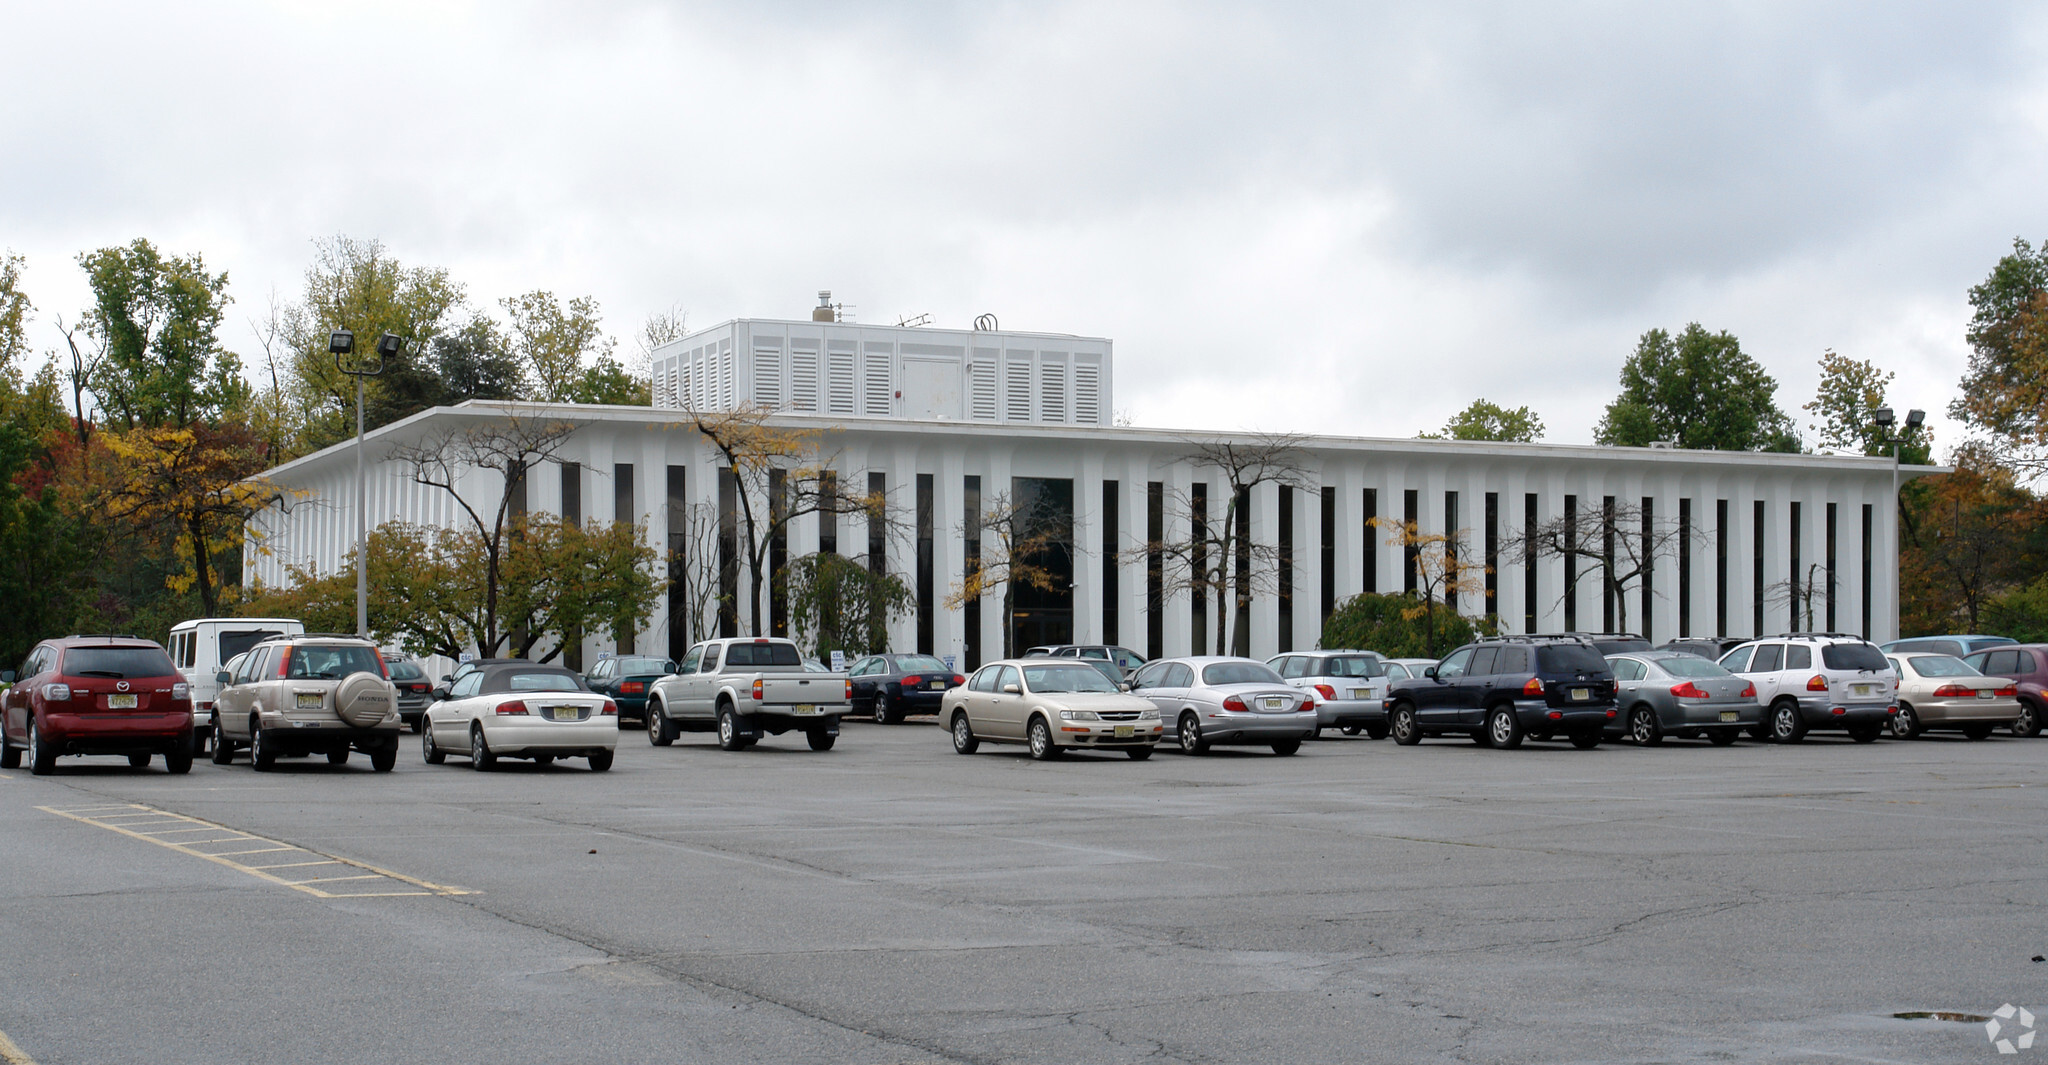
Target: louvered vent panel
[981, 385]
[1087, 393]
[1017, 389]
[1052, 392]
[803, 381]
[839, 383]
[768, 378]
[726, 379]
[876, 390]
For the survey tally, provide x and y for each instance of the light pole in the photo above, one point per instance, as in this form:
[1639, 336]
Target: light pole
[1883, 419]
[341, 343]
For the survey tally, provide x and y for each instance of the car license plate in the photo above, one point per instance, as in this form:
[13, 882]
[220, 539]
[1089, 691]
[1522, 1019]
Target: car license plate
[1729, 715]
[937, 684]
[1361, 693]
[121, 702]
[1582, 694]
[804, 708]
[566, 713]
[1984, 695]
[1865, 689]
[1272, 703]
[309, 700]
[1124, 732]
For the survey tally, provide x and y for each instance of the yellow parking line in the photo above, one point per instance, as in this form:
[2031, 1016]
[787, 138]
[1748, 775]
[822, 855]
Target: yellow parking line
[11, 1054]
[121, 818]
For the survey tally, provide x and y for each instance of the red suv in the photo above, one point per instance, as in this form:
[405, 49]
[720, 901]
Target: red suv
[97, 695]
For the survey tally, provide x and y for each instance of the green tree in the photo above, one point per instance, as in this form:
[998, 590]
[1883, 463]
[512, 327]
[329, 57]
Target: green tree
[1484, 420]
[15, 310]
[156, 321]
[608, 381]
[553, 342]
[1398, 626]
[1698, 390]
[1967, 538]
[475, 362]
[2005, 390]
[1850, 393]
[838, 603]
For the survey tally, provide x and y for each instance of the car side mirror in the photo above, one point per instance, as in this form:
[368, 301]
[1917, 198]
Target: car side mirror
[6, 676]
[440, 691]
[1123, 686]
[1012, 689]
[671, 667]
[222, 677]
[1430, 672]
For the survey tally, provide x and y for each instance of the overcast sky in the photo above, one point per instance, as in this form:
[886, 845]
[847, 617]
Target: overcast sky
[1325, 217]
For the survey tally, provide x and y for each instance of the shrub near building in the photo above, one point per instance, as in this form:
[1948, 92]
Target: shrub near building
[1401, 626]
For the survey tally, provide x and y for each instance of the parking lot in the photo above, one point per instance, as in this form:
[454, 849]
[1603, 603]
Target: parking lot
[890, 901]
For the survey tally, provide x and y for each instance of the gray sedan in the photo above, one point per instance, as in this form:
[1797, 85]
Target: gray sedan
[1226, 701]
[1678, 694]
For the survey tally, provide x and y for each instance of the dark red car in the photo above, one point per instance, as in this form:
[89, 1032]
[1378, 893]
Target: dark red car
[96, 695]
[2028, 664]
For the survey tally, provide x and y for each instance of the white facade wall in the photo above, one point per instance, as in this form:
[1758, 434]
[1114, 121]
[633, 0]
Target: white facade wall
[316, 530]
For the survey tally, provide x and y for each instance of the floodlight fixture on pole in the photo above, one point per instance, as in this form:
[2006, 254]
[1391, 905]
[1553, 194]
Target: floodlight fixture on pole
[1884, 419]
[342, 342]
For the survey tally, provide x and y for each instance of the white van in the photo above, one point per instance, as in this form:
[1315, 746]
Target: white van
[201, 646]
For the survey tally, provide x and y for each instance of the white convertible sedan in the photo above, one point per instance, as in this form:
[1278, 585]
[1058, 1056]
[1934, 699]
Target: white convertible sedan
[520, 710]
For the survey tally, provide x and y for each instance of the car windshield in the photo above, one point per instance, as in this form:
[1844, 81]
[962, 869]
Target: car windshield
[319, 662]
[920, 664]
[406, 671]
[1691, 666]
[1942, 666]
[117, 662]
[1354, 666]
[762, 654]
[1239, 673]
[1569, 658]
[1064, 678]
[1859, 656]
[551, 681]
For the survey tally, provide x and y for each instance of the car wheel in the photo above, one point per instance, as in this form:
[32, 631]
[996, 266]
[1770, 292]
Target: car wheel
[1762, 729]
[1286, 747]
[882, 714]
[10, 755]
[600, 761]
[431, 752]
[384, 759]
[1865, 733]
[1978, 732]
[339, 757]
[178, 762]
[1786, 724]
[223, 748]
[262, 752]
[1190, 733]
[1905, 724]
[138, 761]
[729, 731]
[1402, 721]
[660, 731]
[821, 740]
[2029, 721]
[1503, 729]
[42, 758]
[1722, 737]
[1377, 732]
[1643, 727]
[1138, 754]
[418, 724]
[480, 756]
[964, 741]
[1349, 730]
[1040, 735]
[1585, 741]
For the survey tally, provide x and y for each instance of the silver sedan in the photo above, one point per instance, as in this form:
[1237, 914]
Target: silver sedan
[1227, 701]
[1672, 693]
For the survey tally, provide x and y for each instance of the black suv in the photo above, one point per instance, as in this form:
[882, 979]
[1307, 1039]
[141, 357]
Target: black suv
[1505, 688]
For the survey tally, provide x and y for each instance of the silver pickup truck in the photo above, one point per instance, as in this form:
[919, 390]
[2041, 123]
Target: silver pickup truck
[742, 688]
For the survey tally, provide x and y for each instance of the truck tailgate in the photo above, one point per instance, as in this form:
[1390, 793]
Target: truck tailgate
[823, 690]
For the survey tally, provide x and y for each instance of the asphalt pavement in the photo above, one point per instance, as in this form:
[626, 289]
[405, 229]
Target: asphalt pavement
[892, 902]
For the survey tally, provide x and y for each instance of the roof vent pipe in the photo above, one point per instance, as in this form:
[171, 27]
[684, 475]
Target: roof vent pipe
[823, 312]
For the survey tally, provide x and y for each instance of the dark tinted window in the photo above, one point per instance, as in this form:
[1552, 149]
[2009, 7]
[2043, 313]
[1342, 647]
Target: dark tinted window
[1512, 659]
[1853, 656]
[1569, 658]
[710, 659]
[1768, 658]
[236, 641]
[1798, 656]
[1352, 666]
[1482, 662]
[1997, 661]
[1616, 647]
[1239, 673]
[1180, 675]
[117, 662]
[331, 662]
[406, 671]
[639, 666]
[762, 654]
[920, 664]
[1691, 666]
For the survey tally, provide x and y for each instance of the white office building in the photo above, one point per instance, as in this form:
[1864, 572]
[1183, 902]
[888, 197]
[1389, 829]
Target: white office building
[944, 422]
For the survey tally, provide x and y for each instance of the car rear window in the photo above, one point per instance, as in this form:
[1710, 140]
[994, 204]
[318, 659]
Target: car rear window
[1353, 666]
[1691, 666]
[1852, 656]
[117, 662]
[1942, 666]
[920, 663]
[1620, 647]
[1569, 658]
[406, 671]
[762, 654]
[1239, 673]
[331, 662]
[639, 666]
[533, 681]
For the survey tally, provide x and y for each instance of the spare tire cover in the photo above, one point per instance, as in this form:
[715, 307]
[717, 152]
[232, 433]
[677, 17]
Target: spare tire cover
[364, 699]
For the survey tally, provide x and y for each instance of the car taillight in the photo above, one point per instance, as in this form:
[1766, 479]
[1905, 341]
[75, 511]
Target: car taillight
[1689, 690]
[515, 707]
[1749, 691]
[1533, 686]
[1235, 705]
[611, 709]
[1817, 683]
[912, 681]
[849, 691]
[1326, 692]
[632, 687]
[757, 684]
[284, 659]
[180, 692]
[958, 680]
[2007, 692]
[420, 687]
[1955, 691]
[57, 693]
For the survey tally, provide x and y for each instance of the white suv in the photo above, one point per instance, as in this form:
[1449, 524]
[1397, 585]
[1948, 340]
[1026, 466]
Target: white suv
[1810, 680]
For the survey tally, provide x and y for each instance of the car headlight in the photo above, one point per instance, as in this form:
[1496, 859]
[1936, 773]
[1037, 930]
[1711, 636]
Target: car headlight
[1149, 715]
[1079, 715]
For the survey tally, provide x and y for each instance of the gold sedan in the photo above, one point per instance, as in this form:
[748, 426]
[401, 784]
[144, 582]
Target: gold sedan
[1049, 705]
[1944, 692]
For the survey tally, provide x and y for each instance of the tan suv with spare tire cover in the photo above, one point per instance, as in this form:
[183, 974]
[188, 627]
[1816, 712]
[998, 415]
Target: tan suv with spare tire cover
[293, 696]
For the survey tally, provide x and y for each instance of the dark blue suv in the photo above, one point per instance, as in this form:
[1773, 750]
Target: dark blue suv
[1504, 689]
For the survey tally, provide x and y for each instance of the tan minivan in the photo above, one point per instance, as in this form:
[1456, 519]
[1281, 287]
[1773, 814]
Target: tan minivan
[1050, 705]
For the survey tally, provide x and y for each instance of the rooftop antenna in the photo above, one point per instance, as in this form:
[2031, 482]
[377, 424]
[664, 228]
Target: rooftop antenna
[913, 323]
[985, 323]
